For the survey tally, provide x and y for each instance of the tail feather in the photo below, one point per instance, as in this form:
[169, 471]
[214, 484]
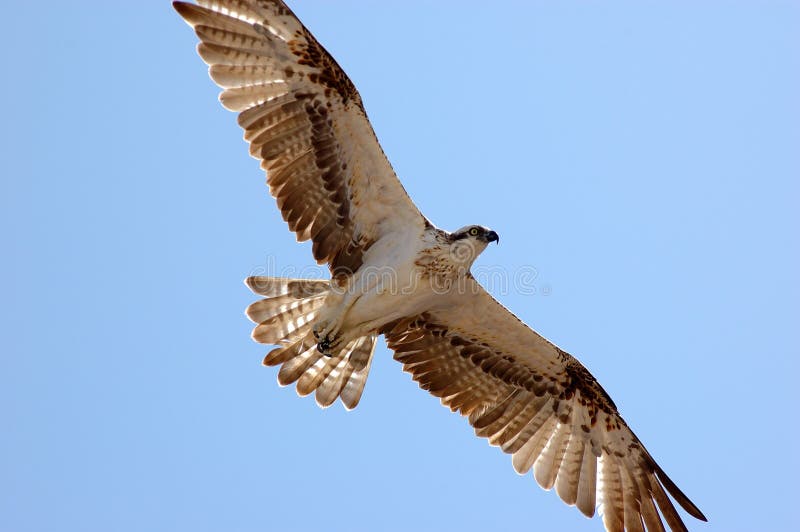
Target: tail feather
[354, 387]
[285, 318]
[293, 369]
[277, 286]
[284, 328]
[311, 379]
[353, 367]
[267, 308]
[288, 350]
[362, 352]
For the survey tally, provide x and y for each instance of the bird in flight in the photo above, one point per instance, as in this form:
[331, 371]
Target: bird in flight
[394, 273]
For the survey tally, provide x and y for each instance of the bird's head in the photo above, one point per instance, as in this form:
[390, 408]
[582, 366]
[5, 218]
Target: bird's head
[469, 242]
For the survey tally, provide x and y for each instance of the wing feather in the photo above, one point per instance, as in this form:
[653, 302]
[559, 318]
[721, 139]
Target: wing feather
[587, 482]
[539, 404]
[610, 488]
[569, 473]
[306, 122]
[528, 452]
[546, 467]
[632, 511]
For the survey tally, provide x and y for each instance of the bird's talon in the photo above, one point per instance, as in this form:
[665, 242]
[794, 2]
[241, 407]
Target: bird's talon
[324, 347]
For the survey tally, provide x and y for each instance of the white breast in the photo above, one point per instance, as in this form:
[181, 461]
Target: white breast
[389, 285]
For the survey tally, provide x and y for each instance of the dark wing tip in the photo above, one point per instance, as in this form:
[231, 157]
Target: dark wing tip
[180, 7]
[186, 10]
[679, 496]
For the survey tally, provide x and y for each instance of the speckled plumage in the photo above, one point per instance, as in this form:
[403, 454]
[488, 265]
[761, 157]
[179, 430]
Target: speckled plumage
[394, 273]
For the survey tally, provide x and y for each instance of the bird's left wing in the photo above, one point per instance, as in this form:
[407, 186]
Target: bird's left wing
[539, 404]
[305, 121]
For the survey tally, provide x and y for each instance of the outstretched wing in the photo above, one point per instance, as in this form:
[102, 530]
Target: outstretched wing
[305, 120]
[539, 404]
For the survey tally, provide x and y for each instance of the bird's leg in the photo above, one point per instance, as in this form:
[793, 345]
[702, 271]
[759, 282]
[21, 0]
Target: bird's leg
[327, 327]
[326, 334]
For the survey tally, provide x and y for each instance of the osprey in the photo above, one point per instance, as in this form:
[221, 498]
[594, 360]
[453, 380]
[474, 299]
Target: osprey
[394, 273]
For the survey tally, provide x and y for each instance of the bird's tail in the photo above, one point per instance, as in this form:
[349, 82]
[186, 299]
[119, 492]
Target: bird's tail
[284, 318]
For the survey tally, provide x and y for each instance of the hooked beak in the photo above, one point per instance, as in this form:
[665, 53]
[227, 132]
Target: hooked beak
[491, 236]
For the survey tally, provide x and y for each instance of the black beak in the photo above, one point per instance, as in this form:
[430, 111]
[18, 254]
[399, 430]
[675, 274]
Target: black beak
[491, 236]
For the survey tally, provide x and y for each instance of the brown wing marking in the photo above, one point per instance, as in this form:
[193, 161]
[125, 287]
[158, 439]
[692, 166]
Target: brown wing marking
[556, 420]
[305, 121]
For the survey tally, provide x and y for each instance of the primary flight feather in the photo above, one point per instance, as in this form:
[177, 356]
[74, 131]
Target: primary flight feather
[394, 273]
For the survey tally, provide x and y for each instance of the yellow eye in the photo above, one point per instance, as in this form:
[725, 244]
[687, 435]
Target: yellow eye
[473, 231]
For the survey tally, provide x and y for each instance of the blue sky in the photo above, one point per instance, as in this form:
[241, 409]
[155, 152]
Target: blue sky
[641, 157]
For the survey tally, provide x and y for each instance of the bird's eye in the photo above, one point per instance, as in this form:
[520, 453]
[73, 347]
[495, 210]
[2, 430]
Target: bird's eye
[473, 231]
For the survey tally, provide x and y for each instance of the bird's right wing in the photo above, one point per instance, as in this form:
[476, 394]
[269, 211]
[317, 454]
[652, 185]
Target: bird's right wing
[305, 121]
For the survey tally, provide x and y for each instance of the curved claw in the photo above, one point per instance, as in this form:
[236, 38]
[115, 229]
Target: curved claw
[328, 345]
[324, 347]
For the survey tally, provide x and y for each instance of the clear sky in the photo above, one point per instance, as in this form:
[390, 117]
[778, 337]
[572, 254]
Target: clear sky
[642, 158]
